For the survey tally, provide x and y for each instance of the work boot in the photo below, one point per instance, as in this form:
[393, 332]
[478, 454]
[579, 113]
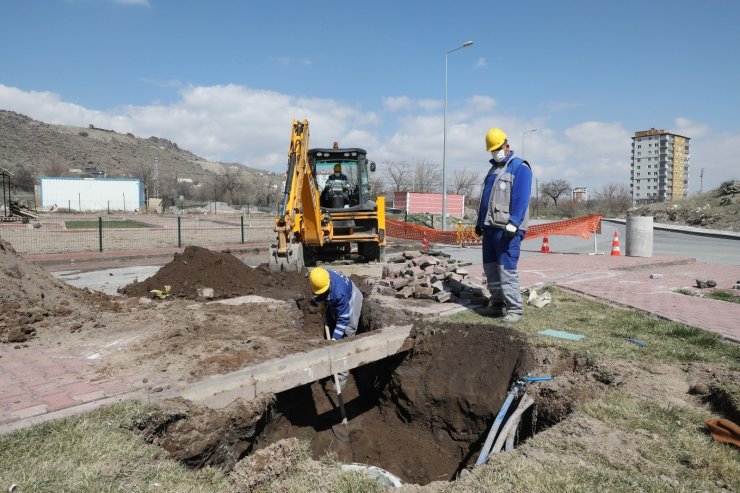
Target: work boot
[512, 318]
[494, 309]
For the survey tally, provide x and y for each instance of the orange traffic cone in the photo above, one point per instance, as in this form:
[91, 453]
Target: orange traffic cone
[615, 246]
[545, 245]
[425, 242]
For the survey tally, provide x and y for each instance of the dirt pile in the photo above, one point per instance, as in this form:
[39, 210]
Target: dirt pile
[197, 268]
[30, 298]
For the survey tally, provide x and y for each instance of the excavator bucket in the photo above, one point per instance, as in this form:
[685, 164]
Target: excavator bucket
[290, 261]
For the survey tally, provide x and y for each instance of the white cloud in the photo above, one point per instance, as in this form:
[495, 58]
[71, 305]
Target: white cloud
[397, 103]
[481, 104]
[481, 63]
[691, 129]
[251, 126]
[430, 104]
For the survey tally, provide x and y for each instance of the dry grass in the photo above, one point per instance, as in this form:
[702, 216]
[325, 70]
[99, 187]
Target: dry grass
[96, 452]
[606, 330]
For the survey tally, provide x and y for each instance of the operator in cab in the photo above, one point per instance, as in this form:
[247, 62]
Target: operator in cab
[336, 191]
[338, 175]
[342, 301]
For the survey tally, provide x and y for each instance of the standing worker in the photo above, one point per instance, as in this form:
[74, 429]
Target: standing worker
[343, 304]
[503, 218]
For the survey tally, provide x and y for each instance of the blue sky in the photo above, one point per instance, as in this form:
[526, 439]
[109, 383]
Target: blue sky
[225, 79]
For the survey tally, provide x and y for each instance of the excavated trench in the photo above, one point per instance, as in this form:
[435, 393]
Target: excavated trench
[421, 415]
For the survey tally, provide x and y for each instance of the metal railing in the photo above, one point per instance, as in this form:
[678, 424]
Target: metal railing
[70, 233]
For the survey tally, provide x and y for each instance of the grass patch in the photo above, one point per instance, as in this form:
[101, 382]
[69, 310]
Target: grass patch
[107, 224]
[97, 452]
[617, 443]
[724, 296]
[606, 329]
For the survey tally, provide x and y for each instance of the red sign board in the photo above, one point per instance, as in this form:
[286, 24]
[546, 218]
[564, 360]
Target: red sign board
[429, 203]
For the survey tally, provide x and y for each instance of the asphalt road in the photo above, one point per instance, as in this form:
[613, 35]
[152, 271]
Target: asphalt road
[704, 249]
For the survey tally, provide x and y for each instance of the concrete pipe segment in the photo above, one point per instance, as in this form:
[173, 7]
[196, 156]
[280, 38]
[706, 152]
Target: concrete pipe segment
[639, 238]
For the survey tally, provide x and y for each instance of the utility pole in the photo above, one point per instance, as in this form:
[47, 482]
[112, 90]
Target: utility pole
[701, 181]
[156, 177]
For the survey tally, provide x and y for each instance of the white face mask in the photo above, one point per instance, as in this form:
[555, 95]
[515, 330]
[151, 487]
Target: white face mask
[337, 174]
[498, 156]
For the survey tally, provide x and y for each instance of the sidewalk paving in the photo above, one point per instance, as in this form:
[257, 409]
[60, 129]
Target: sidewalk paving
[626, 281]
[39, 383]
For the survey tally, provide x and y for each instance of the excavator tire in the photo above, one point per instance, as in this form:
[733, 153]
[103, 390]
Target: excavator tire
[372, 252]
[291, 261]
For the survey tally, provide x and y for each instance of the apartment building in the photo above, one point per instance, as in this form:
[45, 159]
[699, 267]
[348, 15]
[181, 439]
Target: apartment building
[660, 166]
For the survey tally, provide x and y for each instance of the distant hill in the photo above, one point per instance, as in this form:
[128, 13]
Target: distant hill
[43, 149]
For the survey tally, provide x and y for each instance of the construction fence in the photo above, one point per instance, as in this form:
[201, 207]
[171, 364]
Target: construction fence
[72, 233]
[582, 227]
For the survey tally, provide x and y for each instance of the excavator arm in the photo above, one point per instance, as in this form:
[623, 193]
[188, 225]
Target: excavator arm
[300, 220]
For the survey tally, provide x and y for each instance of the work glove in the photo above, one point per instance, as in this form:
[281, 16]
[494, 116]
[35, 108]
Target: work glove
[510, 231]
[478, 230]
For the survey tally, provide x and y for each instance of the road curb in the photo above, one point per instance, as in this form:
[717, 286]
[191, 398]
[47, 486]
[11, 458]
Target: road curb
[712, 233]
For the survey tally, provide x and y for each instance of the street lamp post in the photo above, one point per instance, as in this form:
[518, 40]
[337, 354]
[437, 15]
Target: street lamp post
[444, 142]
[523, 134]
[537, 187]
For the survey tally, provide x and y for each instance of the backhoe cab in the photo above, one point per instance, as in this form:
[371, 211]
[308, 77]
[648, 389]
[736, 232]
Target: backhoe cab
[327, 206]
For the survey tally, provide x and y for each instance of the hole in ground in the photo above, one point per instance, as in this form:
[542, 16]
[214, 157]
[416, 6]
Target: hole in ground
[421, 415]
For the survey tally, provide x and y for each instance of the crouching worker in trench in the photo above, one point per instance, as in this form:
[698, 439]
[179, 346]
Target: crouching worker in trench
[343, 303]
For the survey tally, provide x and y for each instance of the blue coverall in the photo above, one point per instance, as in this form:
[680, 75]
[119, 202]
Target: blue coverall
[501, 252]
[343, 309]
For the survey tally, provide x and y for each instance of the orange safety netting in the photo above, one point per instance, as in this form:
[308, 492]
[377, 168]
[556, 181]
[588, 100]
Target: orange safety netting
[581, 227]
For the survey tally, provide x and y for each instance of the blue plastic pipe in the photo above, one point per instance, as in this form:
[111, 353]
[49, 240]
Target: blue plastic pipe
[537, 379]
[494, 428]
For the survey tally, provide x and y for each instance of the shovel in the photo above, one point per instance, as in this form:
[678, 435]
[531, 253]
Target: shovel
[340, 431]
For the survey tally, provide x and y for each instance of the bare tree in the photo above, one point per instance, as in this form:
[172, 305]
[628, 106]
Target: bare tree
[555, 188]
[398, 175]
[464, 181]
[144, 173]
[55, 167]
[23, 179]
[427, 177]
[377, 185]
[264, 190]
[614, 197]
[231, 182]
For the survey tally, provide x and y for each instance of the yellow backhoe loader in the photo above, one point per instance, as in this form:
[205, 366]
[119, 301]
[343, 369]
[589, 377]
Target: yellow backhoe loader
[326, 207]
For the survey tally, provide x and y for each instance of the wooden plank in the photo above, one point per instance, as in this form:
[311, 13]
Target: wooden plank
[292, 371]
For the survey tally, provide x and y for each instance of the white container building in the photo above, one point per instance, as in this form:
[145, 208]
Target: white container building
[92, 194]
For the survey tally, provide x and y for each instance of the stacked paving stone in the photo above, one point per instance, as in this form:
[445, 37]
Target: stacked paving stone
[431, 275]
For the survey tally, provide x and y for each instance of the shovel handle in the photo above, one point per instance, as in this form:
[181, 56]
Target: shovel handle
[338, 387]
